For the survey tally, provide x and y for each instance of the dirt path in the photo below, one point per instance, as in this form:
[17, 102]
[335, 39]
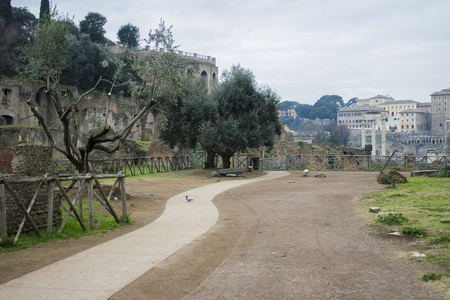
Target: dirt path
[291, 238]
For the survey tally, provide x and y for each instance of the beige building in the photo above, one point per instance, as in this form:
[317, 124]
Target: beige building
[374, 101]
[414, 121]
[288, 113]
[440, 112]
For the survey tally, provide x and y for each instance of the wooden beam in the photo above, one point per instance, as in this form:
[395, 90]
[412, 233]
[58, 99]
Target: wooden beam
[102, 194]
[22, 208]
[72, 207]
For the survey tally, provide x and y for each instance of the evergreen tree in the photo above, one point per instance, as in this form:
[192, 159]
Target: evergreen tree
[129, 35]
[45, 9]
[5, 11]
[93, 25]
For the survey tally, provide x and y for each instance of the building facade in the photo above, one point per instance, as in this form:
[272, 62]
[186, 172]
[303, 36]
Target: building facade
[440, 112]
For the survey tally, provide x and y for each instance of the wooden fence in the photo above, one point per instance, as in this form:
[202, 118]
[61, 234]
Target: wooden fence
[366, 162]
[55, 189]
[149, 165]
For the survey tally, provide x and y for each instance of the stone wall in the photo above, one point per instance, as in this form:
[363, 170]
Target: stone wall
[12, 135]
[30, 160]
[25, 192]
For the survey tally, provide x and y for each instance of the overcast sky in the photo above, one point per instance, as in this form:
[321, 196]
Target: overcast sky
[302, 49]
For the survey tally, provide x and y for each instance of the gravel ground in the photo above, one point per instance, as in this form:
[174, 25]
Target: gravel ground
[290, 238]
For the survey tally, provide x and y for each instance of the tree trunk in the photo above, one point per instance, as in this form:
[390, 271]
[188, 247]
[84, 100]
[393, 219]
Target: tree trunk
[226, 160]
[210, 159]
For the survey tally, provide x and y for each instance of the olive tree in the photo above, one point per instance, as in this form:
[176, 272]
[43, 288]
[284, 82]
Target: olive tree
[247, 116]
[46, 56]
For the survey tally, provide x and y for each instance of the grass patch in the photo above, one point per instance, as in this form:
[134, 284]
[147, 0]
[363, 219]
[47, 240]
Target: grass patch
[71, 230]
[425, 202]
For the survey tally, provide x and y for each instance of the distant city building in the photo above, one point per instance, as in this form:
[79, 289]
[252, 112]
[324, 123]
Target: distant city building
[399, 115]
[287, 113]
[440, 111]
[373, 101]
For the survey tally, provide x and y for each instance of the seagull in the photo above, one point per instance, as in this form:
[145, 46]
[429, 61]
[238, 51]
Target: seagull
[189, 199]
[218, 180]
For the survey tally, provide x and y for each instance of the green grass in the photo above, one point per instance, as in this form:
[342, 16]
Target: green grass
[425, 202]
[71, 230]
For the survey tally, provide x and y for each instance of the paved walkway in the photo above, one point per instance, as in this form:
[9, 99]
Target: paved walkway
[101, 271]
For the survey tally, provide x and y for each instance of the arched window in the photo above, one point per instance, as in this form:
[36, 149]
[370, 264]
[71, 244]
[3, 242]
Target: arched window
[204, 76]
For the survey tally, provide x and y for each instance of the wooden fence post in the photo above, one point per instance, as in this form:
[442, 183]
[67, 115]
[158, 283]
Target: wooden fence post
[3, 223]
[123, 197]
[22, 208]
[91, 203]
[50, 188]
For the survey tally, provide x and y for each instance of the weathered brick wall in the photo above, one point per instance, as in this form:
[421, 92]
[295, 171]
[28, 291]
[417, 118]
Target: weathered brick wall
[12, 135]
[32, 160]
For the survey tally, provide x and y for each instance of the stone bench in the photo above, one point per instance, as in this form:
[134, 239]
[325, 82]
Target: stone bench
[231, 172]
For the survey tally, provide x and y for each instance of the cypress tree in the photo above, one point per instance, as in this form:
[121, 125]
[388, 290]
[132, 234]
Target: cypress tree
[5, 11]
[45, 9]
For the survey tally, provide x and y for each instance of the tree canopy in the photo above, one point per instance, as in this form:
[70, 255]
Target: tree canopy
[326, 107]
[6, 11]
[93, 25]
[129, 35]
[247, 116]
[181, 118]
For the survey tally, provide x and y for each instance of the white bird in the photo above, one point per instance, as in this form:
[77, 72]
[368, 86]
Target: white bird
[116, 199]
[189, 199]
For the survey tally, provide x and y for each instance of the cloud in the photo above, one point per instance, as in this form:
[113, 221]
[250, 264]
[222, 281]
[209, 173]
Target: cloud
[303, 49]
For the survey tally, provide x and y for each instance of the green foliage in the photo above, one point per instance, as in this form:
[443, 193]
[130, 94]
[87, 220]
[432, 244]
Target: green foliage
[351, 102]
[5, 11]
[46, 54]
[326, 107]
[432, 276]
[392, 219]
[71, 230]
[300, 144]
[425, 201]
[25, 19]
[247, 115]
[129, 35]
[442, 239]
[412, 230]
[93, 25]
[181, 118]
[44, 11]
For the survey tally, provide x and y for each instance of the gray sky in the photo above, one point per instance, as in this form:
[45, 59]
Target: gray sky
[302, 49]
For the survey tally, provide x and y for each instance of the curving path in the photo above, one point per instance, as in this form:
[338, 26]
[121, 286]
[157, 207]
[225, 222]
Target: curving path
[101, 271]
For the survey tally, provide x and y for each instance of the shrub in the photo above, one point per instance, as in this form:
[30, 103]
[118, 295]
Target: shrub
[392, 219]
[411, 230]
[432, 276]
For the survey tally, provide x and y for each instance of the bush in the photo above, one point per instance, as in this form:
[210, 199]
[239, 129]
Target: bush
[411, 230]
[392, 219]
[432, 276]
